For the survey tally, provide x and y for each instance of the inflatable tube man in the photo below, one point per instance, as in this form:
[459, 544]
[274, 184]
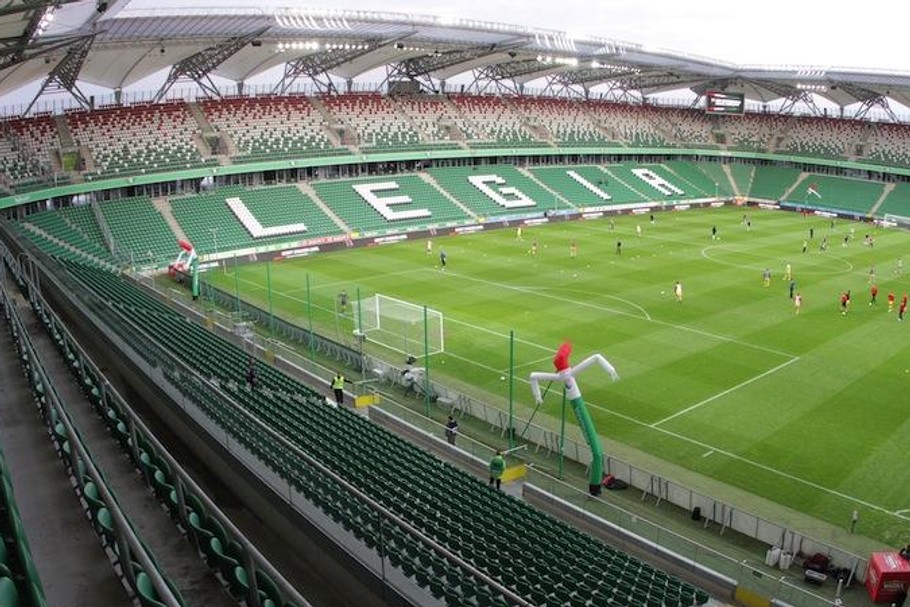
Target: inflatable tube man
[566, 373]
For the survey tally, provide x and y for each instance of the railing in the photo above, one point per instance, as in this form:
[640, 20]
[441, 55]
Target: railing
[163, 368]
[129, 545]
[717, 513]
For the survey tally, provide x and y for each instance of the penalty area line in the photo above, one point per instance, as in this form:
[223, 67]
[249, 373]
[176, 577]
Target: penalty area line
[725, 392]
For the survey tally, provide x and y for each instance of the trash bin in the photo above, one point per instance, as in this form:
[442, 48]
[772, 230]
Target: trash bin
[696, 513]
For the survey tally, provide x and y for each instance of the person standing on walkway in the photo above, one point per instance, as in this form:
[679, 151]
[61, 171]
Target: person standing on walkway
[338, 388]
[497, 468]
[451, 430]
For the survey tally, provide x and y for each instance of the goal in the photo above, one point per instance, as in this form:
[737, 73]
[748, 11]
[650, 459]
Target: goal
[900, 221]
[399, 325]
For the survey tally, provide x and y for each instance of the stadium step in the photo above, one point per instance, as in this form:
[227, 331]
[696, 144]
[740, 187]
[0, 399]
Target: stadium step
[531, 176]
[729, 175]
[429, 179]
[889, 187]
[62, 543]
[795, 187]
[164, 207]
[307, 190]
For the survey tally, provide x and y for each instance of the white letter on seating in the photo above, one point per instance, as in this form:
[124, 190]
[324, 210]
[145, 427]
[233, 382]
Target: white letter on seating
[255, 228]
[383, 205]
[480, 182]
[657, 182]
[589, 185]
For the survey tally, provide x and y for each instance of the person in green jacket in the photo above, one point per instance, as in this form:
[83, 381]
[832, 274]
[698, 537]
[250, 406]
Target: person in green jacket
[497, 467]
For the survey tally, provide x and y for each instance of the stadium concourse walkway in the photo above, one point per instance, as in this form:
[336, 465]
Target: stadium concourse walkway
[54, 502]
[70, 560]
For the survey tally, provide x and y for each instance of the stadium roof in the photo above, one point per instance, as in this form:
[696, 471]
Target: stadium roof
[114, 44]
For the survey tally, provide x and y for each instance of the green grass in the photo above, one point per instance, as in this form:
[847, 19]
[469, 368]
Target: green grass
[809, 411]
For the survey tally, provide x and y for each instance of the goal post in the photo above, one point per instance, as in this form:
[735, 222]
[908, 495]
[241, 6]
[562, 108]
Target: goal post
[401, 326]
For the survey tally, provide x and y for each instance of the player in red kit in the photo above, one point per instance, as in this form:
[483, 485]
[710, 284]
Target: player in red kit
[903, 308]
[874, 293]
[890, 301]
[844, 302]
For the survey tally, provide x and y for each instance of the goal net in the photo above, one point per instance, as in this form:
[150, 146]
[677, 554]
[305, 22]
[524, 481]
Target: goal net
[401, 326]
[900, 221]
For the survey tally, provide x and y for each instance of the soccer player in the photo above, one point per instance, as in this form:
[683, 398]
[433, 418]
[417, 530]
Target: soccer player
[873, 292]
[518, 233]
[824, 245]
[788, 273]
[890, 301]
[442, 259]
[573, 249]
[797, 302]
[638, 230]
[677, 291]
[899, 270]
[766, 277]
[871, 275]
[844, 302]
[792, 287]
[846, 240]
[903, 308]
[533, 250]
[343, 301]
[619, 247]
[713, 232]
[805, 246]
[429, 246]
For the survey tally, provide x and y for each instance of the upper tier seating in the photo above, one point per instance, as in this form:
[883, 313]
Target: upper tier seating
[634, 125]
[437, 118]
[752, 132]
[495, 119]
[505, 538]
[375, 119]
[889, 144]
[25, 150]
[828, 137]
[212, 226]
[138, 138]
[566, 120]
[689, 126]
[271, 128]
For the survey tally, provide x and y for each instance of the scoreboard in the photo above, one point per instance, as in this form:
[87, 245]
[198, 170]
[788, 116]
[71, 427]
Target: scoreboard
[718, 102]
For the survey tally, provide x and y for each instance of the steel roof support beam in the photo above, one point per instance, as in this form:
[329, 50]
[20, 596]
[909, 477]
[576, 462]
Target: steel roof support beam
[879, 101]
[199, 65]
[502, 75]
[558, 87]
[804, 97]
[316, 67]
[25, 52]
[66, 72]
[419, 69]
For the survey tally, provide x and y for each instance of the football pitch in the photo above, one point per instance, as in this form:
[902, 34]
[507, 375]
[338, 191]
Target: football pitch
[810, 410]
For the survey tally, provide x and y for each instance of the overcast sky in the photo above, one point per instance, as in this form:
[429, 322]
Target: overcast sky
[802, 32]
